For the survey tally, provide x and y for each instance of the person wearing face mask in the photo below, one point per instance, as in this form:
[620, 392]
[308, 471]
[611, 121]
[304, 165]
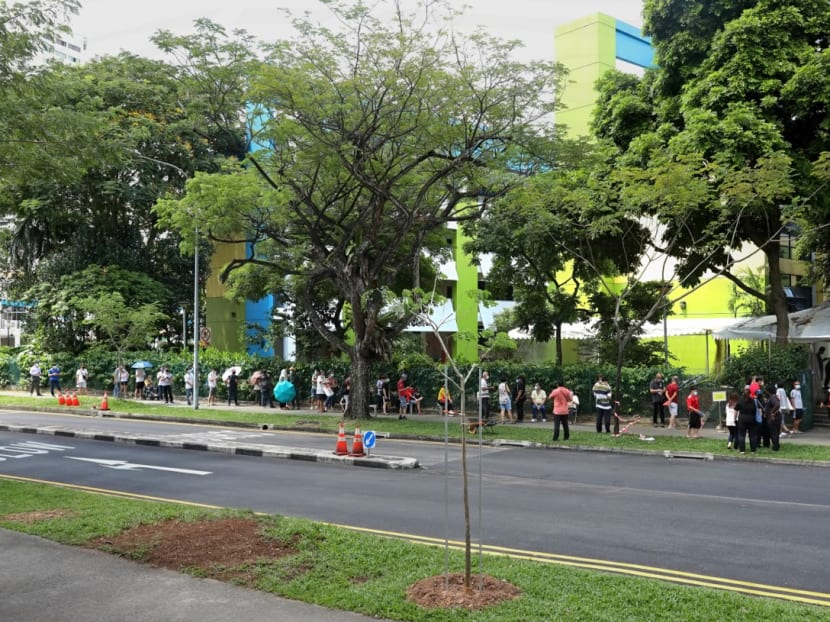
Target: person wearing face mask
[537, 403]
[695, 414]
[798, 406]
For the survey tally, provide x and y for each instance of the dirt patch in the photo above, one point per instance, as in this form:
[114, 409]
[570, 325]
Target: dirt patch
[436, 592]
[29, 518]
[224, 549]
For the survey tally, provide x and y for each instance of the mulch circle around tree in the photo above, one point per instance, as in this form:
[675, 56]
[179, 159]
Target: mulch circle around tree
[449, 592]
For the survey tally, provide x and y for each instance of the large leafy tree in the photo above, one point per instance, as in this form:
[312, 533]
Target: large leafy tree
[731, 116]
[373, 139]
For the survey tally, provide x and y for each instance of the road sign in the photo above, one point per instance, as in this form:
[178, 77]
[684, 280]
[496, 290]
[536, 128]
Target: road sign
[123, 465]
[369, 438]
[205, 334]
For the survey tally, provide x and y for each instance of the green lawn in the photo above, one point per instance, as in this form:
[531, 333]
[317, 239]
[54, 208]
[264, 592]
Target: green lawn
[346, 570]
[413, 427]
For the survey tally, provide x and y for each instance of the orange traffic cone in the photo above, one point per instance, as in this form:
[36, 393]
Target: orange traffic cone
[61, 399]
[342, 448]
[357, 445]
[75, 401]
[104, 403]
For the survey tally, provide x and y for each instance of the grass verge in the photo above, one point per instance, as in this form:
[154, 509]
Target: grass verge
[351, 571]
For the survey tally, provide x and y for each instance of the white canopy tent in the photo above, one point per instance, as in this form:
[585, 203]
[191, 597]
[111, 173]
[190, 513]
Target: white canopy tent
[675, 327]
[807, 326]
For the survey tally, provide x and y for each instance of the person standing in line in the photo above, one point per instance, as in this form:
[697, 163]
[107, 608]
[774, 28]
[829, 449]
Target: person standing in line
[560, 399]
[380, 401]
[212, 381]
[54, 379]
[125, 381]
[537, 403]
[233, 385]
[748, 415]
[786, 407]
[140, 382]
[772, 416]
[294, 379]
[484, 395]
[657, 389]
[165, 385]
[602, 397]
[189, 381]
[34, 378]
[81, 375]
[116, 381]
[798, 406]
[732, 421]
[672, 400]
[505, 406]
[519, 398]
[320, 392]
[695, 414]
[573, 408]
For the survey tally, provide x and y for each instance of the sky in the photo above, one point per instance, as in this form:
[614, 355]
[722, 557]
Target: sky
[110, 26]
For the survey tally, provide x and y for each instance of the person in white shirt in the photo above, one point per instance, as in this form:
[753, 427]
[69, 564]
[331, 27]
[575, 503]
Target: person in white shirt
[798, 406]
[505, 406]
[81, 375]
[213, 381]
[189, 380]
[140, 381]
[35, 372]
[786, 407]
[537, 403]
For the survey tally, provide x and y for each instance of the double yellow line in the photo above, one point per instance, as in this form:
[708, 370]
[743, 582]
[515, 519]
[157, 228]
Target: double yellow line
[635, 570]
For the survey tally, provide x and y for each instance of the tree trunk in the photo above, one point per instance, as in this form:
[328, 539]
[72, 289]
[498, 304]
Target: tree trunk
[558, 327]
[360, 394]
[777, 296]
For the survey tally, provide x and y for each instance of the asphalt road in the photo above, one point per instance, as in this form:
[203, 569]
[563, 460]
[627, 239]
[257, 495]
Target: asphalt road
[751, 522]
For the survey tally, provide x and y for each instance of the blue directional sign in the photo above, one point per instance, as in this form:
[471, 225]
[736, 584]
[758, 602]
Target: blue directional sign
[369, 438]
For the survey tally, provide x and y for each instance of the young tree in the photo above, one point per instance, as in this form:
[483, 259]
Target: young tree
[373, 139]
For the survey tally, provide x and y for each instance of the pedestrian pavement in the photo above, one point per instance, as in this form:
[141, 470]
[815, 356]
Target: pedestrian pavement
[42, 580]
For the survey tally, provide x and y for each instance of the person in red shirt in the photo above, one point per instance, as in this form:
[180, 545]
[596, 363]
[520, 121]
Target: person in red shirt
[561, 398]
[672, 399]
[695, 414]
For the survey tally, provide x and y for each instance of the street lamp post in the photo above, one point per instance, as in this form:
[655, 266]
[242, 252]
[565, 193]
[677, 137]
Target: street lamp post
[196, 320]
[184, 328]
[195, 290]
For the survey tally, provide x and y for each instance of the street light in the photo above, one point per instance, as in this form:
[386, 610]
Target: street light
[195, 290]
[184, 327]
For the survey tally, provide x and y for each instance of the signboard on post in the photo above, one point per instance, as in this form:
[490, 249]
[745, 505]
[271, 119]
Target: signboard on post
[718, 396]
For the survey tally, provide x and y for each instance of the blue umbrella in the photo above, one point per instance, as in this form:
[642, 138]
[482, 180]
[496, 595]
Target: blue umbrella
[142, 365]
[284, 392]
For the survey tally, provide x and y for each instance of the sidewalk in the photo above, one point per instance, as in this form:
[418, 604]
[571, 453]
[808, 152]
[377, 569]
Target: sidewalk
[41, 580]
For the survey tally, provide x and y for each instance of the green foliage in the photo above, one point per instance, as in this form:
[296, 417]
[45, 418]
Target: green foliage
[780, 364]
[58, 321]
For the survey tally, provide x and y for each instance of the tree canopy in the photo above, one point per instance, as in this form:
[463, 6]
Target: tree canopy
[372, 140]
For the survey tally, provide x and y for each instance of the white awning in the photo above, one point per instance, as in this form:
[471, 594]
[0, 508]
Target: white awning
[675, 327]
[809, 325]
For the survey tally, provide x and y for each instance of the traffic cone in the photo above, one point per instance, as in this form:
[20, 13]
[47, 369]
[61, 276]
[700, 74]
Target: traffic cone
[342, 448]
[357, 445]
[61, 399]
[104, 403]
[75, 400]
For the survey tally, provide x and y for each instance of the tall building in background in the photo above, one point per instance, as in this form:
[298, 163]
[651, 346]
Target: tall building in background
[589, 47]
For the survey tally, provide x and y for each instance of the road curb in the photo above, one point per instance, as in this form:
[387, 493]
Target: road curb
[248, 449]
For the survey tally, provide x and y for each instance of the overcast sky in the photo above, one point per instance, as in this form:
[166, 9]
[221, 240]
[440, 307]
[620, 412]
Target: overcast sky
[110, 26]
